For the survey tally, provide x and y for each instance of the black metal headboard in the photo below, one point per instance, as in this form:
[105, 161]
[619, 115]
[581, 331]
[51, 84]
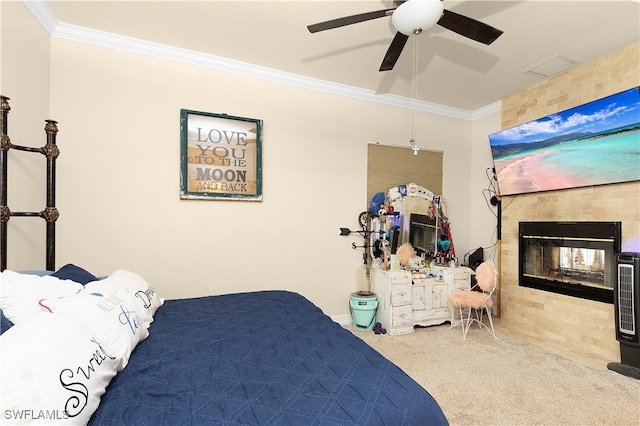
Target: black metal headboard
[50, 214]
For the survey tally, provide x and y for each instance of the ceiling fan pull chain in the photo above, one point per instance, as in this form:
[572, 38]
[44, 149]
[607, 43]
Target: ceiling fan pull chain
[414, 83]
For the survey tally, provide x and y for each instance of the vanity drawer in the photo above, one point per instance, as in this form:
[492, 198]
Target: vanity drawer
[430, 314]
[401, 315]
[424, 281]
[400, 277]
[401, 295]
[461, 274]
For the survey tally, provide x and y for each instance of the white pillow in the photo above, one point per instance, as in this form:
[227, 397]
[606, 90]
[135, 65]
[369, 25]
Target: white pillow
[20, 293]
[116, 325]
[133, 289]
[53, 371]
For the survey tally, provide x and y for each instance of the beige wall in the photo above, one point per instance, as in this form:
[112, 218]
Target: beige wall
[25, 52]
[580, 326]
[118, 172]
[482, 216]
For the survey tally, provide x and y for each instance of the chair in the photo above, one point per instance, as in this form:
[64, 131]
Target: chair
[473, 304]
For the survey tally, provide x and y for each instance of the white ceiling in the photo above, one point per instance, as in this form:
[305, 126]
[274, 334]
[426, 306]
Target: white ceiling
[450, 70]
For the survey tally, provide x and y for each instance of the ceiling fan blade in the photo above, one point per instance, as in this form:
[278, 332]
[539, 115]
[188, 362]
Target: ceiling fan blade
[394, 51]
[470, 28]
[348, 20]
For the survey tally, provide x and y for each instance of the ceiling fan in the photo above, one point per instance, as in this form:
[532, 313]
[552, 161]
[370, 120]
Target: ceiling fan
[411, 17]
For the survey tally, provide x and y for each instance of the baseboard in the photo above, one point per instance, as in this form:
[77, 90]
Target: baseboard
[342, 319]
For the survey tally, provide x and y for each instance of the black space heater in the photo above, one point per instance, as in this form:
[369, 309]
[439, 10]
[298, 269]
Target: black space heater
[627, 314]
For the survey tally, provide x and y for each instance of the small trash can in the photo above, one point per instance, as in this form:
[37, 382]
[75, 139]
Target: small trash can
[363, 309]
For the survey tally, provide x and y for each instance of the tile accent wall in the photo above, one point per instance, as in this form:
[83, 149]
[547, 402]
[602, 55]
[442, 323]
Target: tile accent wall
[578, 328]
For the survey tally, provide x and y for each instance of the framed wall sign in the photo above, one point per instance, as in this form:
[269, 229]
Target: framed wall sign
[221, 156]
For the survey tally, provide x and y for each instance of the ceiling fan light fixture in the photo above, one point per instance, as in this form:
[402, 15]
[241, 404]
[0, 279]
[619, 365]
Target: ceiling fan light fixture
[414, 16]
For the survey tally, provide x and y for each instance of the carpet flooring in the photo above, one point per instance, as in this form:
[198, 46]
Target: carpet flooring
[506, 381]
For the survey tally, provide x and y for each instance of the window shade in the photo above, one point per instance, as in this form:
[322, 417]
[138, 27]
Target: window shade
[389, 166]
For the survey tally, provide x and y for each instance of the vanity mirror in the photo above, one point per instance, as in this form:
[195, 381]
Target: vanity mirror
[409, 219]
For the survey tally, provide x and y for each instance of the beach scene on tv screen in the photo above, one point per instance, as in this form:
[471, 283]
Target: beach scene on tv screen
[593, 144]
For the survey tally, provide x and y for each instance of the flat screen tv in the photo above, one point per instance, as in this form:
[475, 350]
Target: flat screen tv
[593, 144]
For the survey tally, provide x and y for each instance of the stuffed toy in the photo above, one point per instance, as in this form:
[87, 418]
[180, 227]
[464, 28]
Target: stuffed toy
[406, 252]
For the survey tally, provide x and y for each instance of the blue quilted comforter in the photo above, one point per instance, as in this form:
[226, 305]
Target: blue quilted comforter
[269, 357]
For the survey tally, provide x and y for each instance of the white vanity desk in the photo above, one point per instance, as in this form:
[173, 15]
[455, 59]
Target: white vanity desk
[404, 302]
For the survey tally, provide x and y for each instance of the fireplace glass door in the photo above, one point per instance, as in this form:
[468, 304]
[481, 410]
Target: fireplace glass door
[572, 258]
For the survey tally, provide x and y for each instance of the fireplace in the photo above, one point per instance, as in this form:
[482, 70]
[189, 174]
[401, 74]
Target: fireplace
[572, 258]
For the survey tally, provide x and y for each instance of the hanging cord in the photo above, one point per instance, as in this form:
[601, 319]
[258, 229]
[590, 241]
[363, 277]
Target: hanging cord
[414, 83]
[490, 191]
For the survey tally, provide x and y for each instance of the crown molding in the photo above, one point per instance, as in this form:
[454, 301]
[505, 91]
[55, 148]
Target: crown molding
[487, 110]
[64, 31]
[43, 13]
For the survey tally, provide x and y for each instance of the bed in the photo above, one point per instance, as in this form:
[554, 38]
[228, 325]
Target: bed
[267, 357]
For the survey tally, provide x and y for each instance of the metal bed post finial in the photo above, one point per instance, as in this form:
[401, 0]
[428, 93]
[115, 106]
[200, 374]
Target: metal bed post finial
[4, 103]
